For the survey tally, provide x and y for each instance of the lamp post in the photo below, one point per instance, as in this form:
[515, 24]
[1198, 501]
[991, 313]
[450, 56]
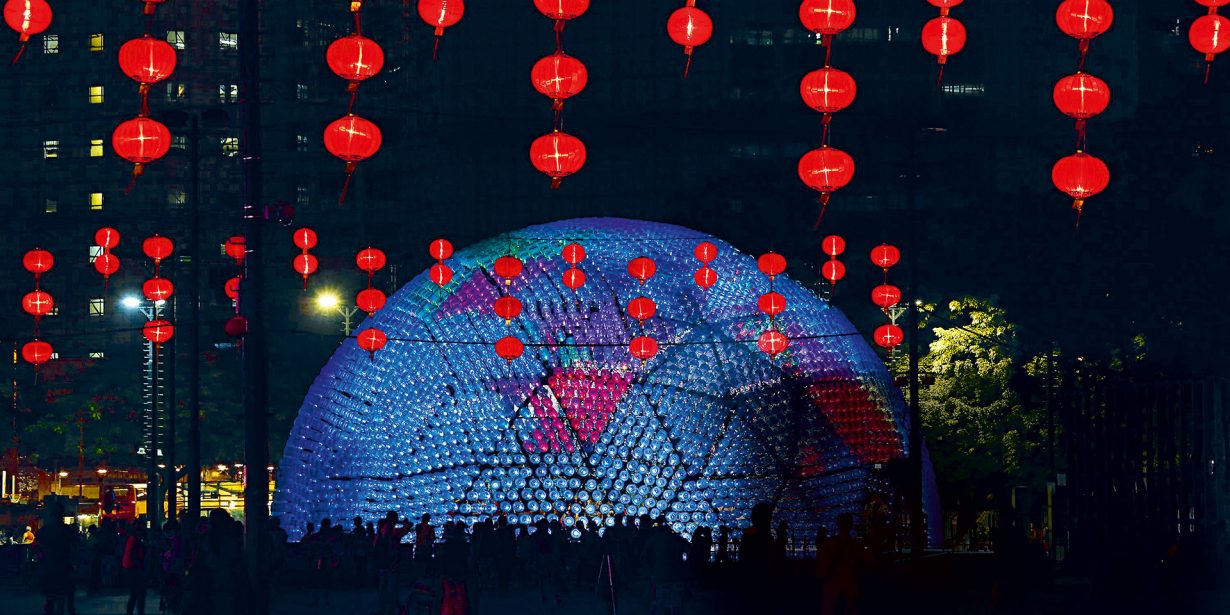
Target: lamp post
[151, 310]
[328, 301]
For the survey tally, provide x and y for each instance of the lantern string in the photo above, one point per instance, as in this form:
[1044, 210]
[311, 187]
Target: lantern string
[824, 204]
[358, 24]
[939, 79]
[687, 65]
[1207, 65]
[827, 41]
[354, 95]
[345, 186]
[20, 50]
[559, 31]
[435, 50]
[1084, 51]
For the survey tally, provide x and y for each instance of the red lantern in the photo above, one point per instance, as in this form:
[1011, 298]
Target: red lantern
[509, 348]
[1080, 176]
[705, 277]
[140, 141]
[158, 248]
[1212, 3]
[885, 256]
[441, 274]
[1081, 96]
[943, 37]
[372, 340]
[573, 254]
[37, 261]
[772, 303]
[1084, 19]
[1209, 35]
[232, 288]
[771, 264]
[26, 18]
[833, 271]
[370, 260]
[158, 331]
[828, 90]
[304, 238]
[559, 76]
[352, 139]
[833, 245]
[689, 27]
[37, 352]
[574, 278]
[888, 335]
[827, 17]
[705, 252]
[236, 326]
[642, 268]
[37, 303]
[305, 265]
[557, 155]
[355, 58]
[107, 237]
[440, 249]
[157, 289]
[106, 264]
[369, 300]
[507, 308]
[826, 170]
[886, 295]
[642, 309]
[643, 348]
[147, 60]
[440, 14]
[772, 342]
[235, 248]
[507, 267]
[562, 10]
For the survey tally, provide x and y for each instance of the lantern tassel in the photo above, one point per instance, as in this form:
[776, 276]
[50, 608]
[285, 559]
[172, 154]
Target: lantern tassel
[824, 204]
[826, 119]
[354, 95]
[1208, 64]
[827, 41]
[1077, 205]
[20, 50]
[555, 181]
[1084, 49]
[1080, 134]
[144, 91]
[137, 170]
[435, 50]
[350, 168]
[939, 79]
[559, 31]
[149, 8]
[688, 64]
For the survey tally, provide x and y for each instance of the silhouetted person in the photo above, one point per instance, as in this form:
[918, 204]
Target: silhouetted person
[384, 559]
[723, 544]
[840, 566]
[782, 537]
[664, 551]
[134, 569]
[454, 558]
[55, 548]
[424, 542]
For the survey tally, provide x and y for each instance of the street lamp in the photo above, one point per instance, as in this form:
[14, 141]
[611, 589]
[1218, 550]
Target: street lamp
[151, 379]
[327, 301]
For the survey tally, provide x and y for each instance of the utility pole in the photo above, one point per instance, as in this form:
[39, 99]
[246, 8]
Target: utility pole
[918, 535]
[255, 386]
[168, 459]
[194, 334]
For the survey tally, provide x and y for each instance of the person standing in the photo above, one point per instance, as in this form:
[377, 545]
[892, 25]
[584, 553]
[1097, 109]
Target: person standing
[384, 559]
[134, 564]
[840, 566]
[424, 543]
[54, 547]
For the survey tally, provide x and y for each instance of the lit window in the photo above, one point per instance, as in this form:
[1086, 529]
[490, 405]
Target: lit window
[51, 206]
[176, 38]
[228, 40]
[301, 195]
[51, 148]
[177, 91]
[97, 355]
[964, 89]
[301, 91]
[96, 201]
[96, 148]
[51, 43]
[228, 93]
[179, 142]
[95, 252]
[176, 197]
[54, 355]
[98, 306]
[230, 146]
[96, 94]
[55, 311]
[301, 143]
[96, 42]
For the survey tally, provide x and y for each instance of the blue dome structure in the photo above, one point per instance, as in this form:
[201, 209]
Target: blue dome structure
[576, 429]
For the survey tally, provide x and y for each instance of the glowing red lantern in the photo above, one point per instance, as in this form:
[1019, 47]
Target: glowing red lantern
[158, 331]
[441, 14]
[573, 278]
[827, 17]
[509, 348]
[562, 10]
[507, 267]
[37, 303]
[236, 326]
[37, 352]
[833, 245]
[642, 268]
[372, 340]
[705, 252]
[691, 28]
[833, 271]
[1081, 96]
[771, 264]
[772, 342]
[642, 309]
[943, 37]
[38, 261]
[1210, 35]
[158, 248]
[106, 264]
[304, 238]
[441, 274]
[305, 265]
[26, 18]
[826, 170]
[886, 295]
[107, 238]
[235, 248]
[888, 336]
[1080, 176]
[1084, 19]
[150, 5]
[557, 155]
[573, 254]
[885, 256]
[157, 289]
[232, 288]
[352, 139]
[355, 58]
[507, 308]
[140, 141]
[440, 249]
[643, 347]
[559, 76]
[828, 90]
[772, 303]
[1212, 3]
[370, 260]
[369, 300]
[705, 277]
[147, 60]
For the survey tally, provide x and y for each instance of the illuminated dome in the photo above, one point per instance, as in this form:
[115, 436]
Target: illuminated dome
[577, 428]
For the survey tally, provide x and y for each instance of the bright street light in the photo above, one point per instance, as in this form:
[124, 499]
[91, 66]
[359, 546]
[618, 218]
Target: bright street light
[130, 302]
[327, 300]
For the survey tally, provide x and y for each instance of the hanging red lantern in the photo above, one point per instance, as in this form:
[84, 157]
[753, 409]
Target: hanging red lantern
[370, 260]
[885, 256]
[232, 288]
[507, 308]
[559, 76]
[771, 264]
[833, 245]
[642, 309]
[107, 238]
[1210, 35]
[372, 340]
[235, 248]
[38, 261]
[705, 252]
[158, 331]
[562, 10]
[236, 326]
[37, 303]
[36, 352]
[1212, 3]
[157, 289]
[369, 300]
[833, 271]
[943, 37]
[643, 347]
[158, 248]
[826, 170]
[1084, 19]
[509, 348]
[705, 277]
[352, 139]
[573, 278]
[772, 342]
[827, 17]
[440, 249]
[828, 90]
[772, 303]
[27, 18]
[557, 155]
[689, 27]
[441, 274]
[305, 265]
[1080, 176]
[888, 335]
[507, 267]
[355, 58]
[573, 254]
[886, 295]
[440, 14]
[147, 60]
[642, 268]
[140, 141]
[106, 264]
[304, 238]
[1081, 96]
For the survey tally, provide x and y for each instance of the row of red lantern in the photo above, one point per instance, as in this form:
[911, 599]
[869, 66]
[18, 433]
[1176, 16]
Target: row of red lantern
[157, 289]
[772, 341]
[559, 77]
[705, 277]
[370, 300]
[146, 60]
[37, 303]
[642, 308]
[827, 90]
[305, 263]
[508, 307]
[355, 58]
[885, 296]
[833, 270]
[943, 36]
[106, 263]
[573, 277]
[1210, 33]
